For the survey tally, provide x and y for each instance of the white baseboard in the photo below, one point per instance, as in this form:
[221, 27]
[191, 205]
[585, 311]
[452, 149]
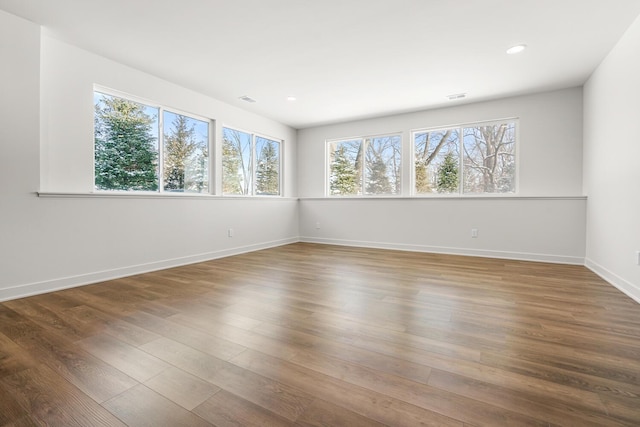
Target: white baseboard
[30, 289]
[631, 290]
[520, 256]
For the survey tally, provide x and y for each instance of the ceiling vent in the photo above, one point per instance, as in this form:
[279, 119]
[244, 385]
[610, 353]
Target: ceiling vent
[456, 96]
[247, 98]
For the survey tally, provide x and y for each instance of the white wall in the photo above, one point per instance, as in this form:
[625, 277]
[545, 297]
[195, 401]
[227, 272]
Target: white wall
[550, 140]
[545, 222]
[68, 76]
[612, 164]
[20, 217]
[52, 242]
[538, 229]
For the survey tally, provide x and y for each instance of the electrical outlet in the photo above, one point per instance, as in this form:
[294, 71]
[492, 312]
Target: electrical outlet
[474, 233]
[638, 257]
[317, 226]
[230, 232]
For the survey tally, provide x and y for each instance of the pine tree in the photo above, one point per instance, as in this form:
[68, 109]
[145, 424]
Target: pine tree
[378, 180]
[344, 177]
[230, 166]
[197, 172]
[267, 170]
[447, 180]
[180, 145]
[125, 149]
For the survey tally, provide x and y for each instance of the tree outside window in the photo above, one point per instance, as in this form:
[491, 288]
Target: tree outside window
[126, 140]
[370, 166]
[250, 164]
[267, 167]
[186, 154]
[487, 163]
[128, 147]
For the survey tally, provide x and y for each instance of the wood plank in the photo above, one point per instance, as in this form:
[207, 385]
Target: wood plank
[13, 358]
[100, 322]
[370, 404]
[206, 339]
[271, 395]
[182, 388]
[322, 413]
[380, 362]
[134, 362]
[424, 396]
[98, 379]
[227, 410]
[141, 406]
[531, 404]
[50, 400]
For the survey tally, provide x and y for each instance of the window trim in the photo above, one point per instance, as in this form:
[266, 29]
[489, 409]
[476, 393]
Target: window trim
[461, 126]
[210, 146]
[280, 163]
[363, 139]
[253, 163]
[160, 145]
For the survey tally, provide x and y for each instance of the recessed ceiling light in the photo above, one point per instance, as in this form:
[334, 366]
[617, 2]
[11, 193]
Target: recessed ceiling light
[291, 98]
[455, 96]
[516, 49]
[247, 98]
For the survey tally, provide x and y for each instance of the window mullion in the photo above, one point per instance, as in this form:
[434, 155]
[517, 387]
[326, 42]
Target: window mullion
[252, 161]
[363, 169]
[212, 159]
[461, 161]
[160, 150]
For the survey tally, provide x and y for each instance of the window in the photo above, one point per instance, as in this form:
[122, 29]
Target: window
[186, 154]
[129, 145]
[126, 144]
[250, 164]
[437, 158]
[267, 166]
[470, 159]
[369, 166]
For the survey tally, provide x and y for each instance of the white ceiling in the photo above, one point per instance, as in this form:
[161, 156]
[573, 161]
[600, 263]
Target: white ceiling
[344, 59]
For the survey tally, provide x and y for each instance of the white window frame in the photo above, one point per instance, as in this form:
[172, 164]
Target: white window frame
[460, 127]
[160, 142]
[364, 141]
[253, 162]
[210, 147]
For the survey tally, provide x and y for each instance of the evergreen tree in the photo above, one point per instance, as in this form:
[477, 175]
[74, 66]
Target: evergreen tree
[179, 147]
[344, 177]
[197, 172]
[447, 180]
[378, 180]
[230, 166]
[267, 170]
[125, 149]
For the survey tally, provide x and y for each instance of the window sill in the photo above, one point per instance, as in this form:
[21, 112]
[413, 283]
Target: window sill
[153, 195]
[441, 197]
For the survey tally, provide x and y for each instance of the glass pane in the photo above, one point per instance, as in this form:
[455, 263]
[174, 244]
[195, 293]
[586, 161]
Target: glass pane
[437, 161]
[382, 165]
[186, 154]
[126, 144]
[267, 167]
[345, 168]
[236, 162]
[489, 158]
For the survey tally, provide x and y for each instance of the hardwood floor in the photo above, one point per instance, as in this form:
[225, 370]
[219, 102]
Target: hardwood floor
[313, 335]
